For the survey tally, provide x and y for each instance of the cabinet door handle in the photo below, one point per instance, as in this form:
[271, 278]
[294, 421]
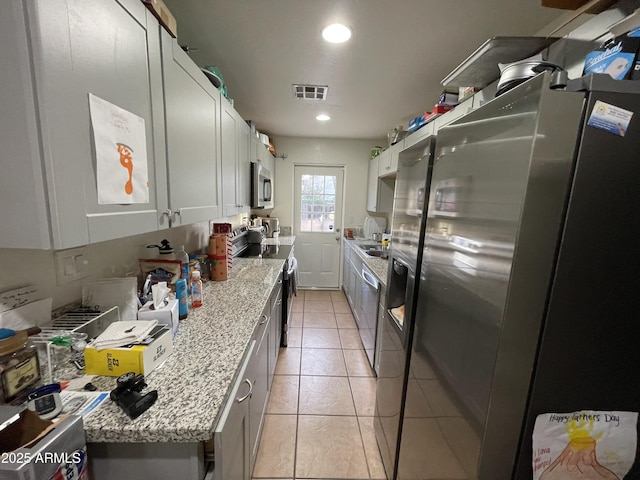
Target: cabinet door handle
[280, 281]
[265, 319]
[242, 399]
[279, 302]
[177, 212]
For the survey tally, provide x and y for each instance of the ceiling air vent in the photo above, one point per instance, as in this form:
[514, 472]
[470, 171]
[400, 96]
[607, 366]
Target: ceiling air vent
[310, 92]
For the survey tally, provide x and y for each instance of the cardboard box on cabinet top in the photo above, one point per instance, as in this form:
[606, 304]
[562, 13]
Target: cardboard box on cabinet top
[162, 13]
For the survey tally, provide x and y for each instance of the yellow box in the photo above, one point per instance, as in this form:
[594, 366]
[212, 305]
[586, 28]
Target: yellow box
[132, 358]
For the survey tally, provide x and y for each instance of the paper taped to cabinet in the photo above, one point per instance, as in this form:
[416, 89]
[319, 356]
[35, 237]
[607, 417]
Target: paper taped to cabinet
[121, 153]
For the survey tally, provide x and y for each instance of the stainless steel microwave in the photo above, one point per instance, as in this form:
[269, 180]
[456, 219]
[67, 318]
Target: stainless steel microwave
[261, 186]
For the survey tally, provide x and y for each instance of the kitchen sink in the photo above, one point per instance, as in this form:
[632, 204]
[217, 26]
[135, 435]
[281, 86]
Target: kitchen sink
[370, 246]
[372, 249]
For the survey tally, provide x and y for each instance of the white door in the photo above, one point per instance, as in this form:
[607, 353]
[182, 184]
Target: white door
[317, 224]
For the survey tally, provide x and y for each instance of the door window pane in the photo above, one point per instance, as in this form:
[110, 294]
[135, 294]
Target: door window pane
[318, 203]
[307, 184]
[318, 184]
[330, 185]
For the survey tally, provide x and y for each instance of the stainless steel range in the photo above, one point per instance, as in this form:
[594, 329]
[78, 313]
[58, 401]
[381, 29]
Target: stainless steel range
[242, 247]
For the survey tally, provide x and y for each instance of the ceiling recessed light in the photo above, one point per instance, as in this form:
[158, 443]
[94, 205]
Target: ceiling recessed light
[323, 118]
[336, 33]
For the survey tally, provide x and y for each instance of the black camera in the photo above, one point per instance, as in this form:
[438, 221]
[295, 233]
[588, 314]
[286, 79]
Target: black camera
[128, 397]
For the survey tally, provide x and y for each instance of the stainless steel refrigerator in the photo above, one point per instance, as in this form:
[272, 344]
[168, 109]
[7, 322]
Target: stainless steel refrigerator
[407, 239]
[527, 295]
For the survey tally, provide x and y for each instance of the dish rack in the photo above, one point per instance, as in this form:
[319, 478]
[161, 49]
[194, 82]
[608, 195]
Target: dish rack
[84, 321]
[91, 322]
[373, 225]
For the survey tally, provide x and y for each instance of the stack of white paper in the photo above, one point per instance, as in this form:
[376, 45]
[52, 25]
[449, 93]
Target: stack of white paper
[119, 334]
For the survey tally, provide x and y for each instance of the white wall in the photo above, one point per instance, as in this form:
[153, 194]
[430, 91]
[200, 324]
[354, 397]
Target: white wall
[115, 258]
[354, 155]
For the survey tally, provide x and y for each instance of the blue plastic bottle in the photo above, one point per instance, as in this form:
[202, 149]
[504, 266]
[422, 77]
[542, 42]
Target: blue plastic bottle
[184, 264]
[183, 299]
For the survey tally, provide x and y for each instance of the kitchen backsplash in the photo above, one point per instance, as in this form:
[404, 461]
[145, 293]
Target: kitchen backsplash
[115, 258]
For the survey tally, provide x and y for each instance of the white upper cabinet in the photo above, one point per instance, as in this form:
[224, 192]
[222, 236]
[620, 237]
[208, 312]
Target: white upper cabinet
[243, 192]
[270, 162]
[388, 162]
[56, 53]
[263, 156]
[462, 109]
[379, 190]
[235, 161]
[419, 135]
[192, 106]
[372, 185]
[254, 144]
[384, 163]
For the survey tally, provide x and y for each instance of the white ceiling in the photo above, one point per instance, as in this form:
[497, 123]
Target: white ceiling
[388, 73]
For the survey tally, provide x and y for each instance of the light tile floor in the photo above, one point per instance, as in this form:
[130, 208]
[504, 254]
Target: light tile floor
[319, 421]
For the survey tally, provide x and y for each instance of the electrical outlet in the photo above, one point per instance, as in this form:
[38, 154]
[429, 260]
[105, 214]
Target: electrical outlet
[71, 265]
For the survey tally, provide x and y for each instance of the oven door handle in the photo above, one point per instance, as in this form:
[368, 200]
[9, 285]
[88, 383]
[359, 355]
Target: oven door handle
[293, 263]
[369, 278]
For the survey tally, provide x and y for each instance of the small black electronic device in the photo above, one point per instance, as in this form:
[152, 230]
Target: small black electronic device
[128, 397]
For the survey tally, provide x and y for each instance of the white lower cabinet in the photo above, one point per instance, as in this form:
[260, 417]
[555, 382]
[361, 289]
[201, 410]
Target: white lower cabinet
[276, 329]
[232, 444]
[59, 52]
[258, 374]
[346, 272]
[238, 434]
[352, 281]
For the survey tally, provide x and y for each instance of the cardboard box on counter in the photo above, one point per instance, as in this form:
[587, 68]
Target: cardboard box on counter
[162, 13]
[137, 358]
[36, 449]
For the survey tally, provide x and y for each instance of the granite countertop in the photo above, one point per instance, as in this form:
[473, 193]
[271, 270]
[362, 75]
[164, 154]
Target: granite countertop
[288, 240]
[378, 266]
[194, 383]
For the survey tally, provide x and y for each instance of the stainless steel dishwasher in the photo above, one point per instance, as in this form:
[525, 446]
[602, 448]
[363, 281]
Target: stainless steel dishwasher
[369, 309]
